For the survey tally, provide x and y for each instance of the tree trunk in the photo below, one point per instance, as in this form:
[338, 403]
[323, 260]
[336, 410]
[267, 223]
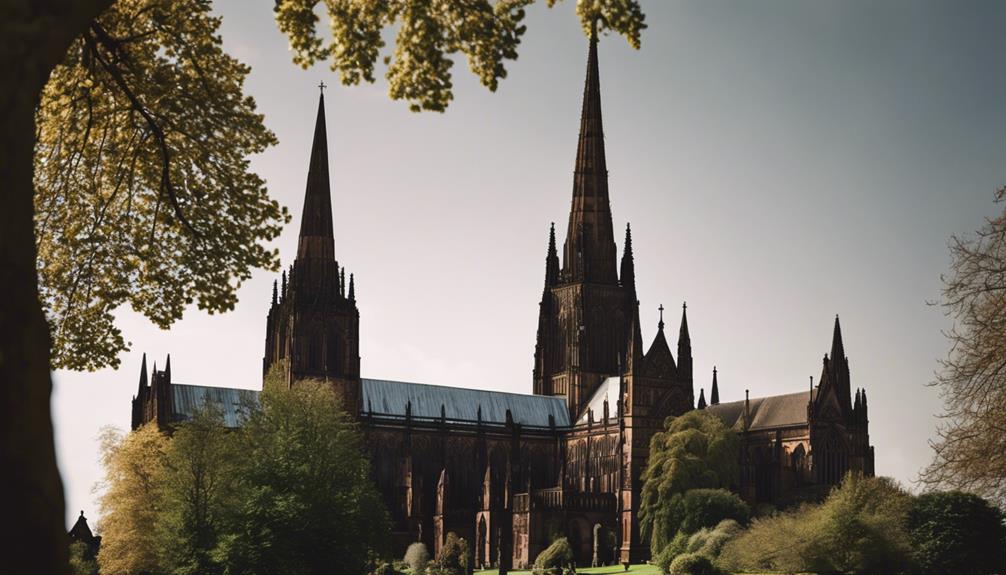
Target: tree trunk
[34, 37]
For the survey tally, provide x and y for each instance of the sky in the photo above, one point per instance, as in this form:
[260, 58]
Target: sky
[780, 161]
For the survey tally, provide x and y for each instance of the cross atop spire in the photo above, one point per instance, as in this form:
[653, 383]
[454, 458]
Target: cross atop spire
[322, 86]
[660, 325]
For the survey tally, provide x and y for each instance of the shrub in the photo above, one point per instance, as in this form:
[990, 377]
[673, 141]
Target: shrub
[386, 569]
[860, 528]
[453, 556]
[416, 557]
[666, 556]
[706, 508]
[556, 559]
[709, 542]
[955, 532]
[693, 564]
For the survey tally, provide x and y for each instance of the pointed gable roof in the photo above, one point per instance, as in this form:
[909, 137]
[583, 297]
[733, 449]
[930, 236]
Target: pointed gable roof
[316, 235]
[659, 353]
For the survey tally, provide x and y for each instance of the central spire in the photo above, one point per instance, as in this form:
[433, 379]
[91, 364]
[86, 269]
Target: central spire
[589, 252]
[316, 237]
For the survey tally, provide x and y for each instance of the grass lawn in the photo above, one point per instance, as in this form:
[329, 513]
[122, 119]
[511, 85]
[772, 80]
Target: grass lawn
[611, 570]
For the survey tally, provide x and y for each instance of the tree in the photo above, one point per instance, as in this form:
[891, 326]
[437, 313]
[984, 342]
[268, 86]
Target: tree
[199, 494]
[972, 381]
[134, 473]
[694, 451]
[307, 502]
[153, 204]
[955, 532]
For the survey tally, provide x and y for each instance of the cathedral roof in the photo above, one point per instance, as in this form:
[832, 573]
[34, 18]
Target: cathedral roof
[766, 412]
[607, 390]
[389, 398]
[233, 403]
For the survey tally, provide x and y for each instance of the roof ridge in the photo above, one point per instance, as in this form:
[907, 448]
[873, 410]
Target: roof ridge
[531, 395]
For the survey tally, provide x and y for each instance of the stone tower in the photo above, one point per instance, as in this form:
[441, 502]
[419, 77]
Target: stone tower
[313, 326]
[585, 306]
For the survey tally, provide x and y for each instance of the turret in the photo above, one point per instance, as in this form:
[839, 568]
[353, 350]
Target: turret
[627, 277]
[714, 393]
[684, 348]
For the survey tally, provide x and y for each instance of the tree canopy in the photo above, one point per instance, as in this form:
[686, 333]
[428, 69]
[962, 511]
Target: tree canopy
[288, 492]
[955, 532]
[694, 451]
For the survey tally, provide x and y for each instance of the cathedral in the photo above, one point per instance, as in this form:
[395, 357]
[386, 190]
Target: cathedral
[509, 472]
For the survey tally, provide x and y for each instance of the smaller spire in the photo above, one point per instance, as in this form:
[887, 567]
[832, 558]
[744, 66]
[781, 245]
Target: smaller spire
[167, 368]
[342, 282]
[714, 393]
[352, 288]
[143, 376]
[274, 292]
[702, 399]
[551, 259]
[683, 333]
[283, 287]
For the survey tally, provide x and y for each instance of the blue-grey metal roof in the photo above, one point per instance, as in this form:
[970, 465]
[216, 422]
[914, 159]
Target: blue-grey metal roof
[389, 398]
[607, 390]
[234, 404]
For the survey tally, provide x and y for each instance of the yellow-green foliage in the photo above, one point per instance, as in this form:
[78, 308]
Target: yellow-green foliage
[428, 35]
[694, 451]
[556, 559]
[143, 192]
[860, 528]
[134, 471]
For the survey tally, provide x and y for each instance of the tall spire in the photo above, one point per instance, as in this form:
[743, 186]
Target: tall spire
[627, 275]
[167, 368]
[352, 288]
[316, 237]
[589, 252]
[714, 393]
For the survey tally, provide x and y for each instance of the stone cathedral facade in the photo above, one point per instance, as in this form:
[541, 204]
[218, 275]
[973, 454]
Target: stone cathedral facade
[510, 471]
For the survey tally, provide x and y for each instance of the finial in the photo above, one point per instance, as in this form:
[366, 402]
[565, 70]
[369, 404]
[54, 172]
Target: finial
[661, 324]
[82, 513]
[352, 288]
[322, 87]
[684, 305]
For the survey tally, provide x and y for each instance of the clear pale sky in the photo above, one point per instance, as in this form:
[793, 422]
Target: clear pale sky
[780, 162]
